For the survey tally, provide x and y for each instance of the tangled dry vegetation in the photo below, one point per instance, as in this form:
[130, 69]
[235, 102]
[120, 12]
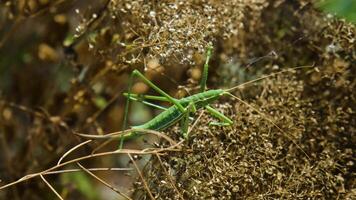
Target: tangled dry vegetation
[176, 30]
[312, 158]
[304, 155]
[293, 135]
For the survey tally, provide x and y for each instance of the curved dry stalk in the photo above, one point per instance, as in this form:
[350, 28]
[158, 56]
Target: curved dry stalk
[121, 151]
[102, 145]
[141, 176]
[267, 76]
[90, 169]
[106, 136]
[103, 182]
[106, 142]
[120, 133]
[71, 150]
[50, 186]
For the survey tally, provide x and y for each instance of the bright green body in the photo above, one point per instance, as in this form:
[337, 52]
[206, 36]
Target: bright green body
[181, 108]
[173, 114]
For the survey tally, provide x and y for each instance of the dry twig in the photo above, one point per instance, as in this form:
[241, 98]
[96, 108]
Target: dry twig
[103, 182]
[50, 186]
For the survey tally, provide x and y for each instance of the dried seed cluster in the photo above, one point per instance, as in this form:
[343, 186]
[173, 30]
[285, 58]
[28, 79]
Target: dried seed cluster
[256, 160]
[178, 28]
[312, 158]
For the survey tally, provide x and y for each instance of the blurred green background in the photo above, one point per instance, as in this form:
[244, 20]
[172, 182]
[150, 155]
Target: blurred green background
[341, 8]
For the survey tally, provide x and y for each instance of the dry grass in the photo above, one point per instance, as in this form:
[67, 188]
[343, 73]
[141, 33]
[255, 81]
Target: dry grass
[254, 159]
[55, 83]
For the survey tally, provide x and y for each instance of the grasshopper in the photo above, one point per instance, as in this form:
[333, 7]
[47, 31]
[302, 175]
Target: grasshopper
[181, 108]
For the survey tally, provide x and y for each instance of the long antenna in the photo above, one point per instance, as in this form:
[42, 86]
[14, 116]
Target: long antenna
[263, 77]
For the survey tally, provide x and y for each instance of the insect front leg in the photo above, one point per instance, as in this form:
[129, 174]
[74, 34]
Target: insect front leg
[152, 85]
[161, 92]
[205, 69]
[142, 99]
[185, 121]
[147, 97]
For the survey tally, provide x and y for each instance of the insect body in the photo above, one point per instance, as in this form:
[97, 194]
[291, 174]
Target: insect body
[181, 108]
[173, 114]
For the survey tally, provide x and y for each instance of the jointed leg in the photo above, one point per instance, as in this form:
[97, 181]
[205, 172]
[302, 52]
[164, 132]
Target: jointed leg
[185, 121]
[225, 121]
[148, 82]
[150, 97]
[164, 97]
[147, 103]
[205, 70]
[161, 92]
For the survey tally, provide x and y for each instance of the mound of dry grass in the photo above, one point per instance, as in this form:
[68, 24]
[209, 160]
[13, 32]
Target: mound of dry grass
[71, 79]
[283, 144]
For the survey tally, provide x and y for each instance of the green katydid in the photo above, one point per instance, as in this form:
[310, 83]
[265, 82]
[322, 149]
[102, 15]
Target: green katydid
[181, 108]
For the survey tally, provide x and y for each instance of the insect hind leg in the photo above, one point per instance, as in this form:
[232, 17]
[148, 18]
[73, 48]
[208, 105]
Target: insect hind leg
[224, 121]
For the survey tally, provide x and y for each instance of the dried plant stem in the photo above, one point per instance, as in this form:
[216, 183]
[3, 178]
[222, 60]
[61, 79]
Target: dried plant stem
[21, 18]
[141, 176]
[120, 133]
[103, 182]
[102, 145]
[196, 122]
[90, 169]
[112, 136]
[122, 151]
[71, 150]
[94, 117]
[50, 186]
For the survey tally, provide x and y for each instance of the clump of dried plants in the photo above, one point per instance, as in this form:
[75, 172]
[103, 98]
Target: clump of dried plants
[313, 156]
[280, 146]
[64, 65]
[178, 29]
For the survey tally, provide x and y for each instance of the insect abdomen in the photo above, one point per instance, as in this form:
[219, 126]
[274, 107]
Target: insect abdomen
[163, 120]
[173, 114]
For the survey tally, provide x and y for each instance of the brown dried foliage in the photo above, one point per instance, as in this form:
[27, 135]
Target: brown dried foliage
[254, 159]
[176, 30]
[59, 57]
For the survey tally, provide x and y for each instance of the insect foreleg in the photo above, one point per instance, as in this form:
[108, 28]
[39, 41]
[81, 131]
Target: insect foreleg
[150, 97]
[148, 82]
[161, 92]
[225, 121]
[185, 121]
[147, 103]
[205, 69]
